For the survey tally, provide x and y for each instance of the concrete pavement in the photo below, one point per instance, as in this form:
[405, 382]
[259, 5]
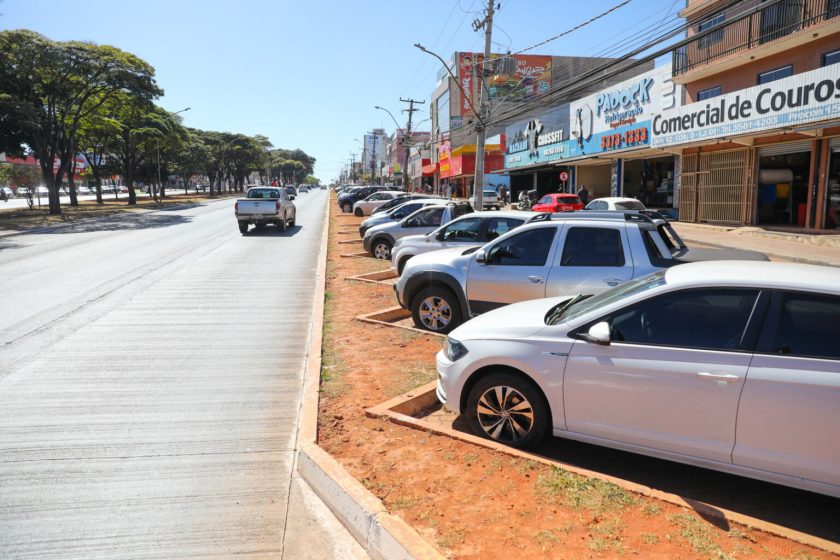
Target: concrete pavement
[150, 382]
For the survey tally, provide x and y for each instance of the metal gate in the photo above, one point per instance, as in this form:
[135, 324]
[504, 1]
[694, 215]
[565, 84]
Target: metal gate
[717, 187]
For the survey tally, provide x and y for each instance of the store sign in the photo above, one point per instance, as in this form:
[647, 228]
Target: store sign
[534, 141]
[798, 100]
[619, 118]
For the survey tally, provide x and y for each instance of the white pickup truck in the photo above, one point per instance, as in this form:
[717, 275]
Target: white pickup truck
[265, 205]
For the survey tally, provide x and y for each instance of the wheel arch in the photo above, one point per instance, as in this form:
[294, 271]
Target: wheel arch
[431, 279]
[484, 371]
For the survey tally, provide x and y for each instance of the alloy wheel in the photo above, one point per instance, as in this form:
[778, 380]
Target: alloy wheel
[382, 251]
[505, 414]
[435, 313]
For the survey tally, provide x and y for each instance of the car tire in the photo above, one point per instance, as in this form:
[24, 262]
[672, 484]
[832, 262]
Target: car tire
[520, 420]
[358, 212]
[381, 249]
[436, 309]
[243, 227]
[294, 220]
[347, 208]
[284, 224]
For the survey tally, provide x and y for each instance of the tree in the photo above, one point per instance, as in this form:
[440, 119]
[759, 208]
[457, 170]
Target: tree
[47, 88]
[139, 124]
[96, 133]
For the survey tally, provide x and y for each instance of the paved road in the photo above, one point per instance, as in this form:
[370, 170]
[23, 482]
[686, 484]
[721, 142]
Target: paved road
[150, 379]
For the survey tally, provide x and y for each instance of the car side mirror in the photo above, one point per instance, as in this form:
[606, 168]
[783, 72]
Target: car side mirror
[599, 333]
[481, 256]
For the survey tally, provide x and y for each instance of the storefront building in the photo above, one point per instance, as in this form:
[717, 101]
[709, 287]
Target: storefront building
[610, 147]
[457, 167]
[759, 135]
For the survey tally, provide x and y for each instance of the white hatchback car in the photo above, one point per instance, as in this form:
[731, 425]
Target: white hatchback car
[732, 366]
[372, 202]
[615, 203]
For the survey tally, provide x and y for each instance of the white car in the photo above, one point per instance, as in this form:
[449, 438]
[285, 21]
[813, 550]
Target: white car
[368, 205]
[490, 200]
[471, 230]
[615, 203]
[731, 366]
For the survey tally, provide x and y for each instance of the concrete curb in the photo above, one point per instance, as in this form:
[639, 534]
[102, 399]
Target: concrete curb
[793, 258]
[381, 534]
[402, 410]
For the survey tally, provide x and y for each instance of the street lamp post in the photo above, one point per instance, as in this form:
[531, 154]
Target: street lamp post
[159, 191]
[405, 185]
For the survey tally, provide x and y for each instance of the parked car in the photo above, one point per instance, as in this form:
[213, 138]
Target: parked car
[732, 368]
[471, 230]
[379, 240]
[560, 202]
[397, 213]
[265, 205]
[6, 193]
[615, 203]
[579, 252]
[490, 200]
[366, 206]
[347, 199]
[42, 191]
[23, 191]
[402, 200]
[83, 190]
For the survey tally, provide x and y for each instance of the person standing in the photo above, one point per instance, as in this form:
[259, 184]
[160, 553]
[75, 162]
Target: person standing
[583, 195]
[503, 195]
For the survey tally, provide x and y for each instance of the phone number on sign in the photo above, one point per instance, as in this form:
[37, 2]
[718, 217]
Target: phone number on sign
[629, 138]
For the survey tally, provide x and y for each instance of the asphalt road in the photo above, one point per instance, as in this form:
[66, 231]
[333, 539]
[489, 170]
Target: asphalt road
[150, 379]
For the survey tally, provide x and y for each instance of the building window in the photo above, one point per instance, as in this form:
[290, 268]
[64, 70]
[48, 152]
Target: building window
[777, 74]
[714, 37]
[708, 93]
[831, 58]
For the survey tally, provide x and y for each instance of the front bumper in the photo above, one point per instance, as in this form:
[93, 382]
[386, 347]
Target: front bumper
[397, 293]
[362, 230]
[447, 390]
[366, 243]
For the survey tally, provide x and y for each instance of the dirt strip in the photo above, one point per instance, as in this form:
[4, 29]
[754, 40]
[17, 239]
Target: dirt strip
[476, 502]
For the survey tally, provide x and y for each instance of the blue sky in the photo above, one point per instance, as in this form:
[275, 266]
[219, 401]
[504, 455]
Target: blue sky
[308, 73]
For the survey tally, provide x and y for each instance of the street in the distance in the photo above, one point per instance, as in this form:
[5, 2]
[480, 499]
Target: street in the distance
[151, 380]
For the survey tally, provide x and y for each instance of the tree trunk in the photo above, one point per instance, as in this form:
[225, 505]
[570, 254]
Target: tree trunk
[98, 180]
[74, 199]
[132, 196]
[49, 182]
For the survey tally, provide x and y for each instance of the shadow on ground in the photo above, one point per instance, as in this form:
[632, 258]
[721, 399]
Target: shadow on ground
[273, 231]
[120, 222]
[802, 511]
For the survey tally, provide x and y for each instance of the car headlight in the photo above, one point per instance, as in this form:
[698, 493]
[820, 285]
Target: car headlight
[453, 349]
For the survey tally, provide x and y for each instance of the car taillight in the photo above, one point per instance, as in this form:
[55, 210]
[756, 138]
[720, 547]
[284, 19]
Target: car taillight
[558, 207]
[278, 206]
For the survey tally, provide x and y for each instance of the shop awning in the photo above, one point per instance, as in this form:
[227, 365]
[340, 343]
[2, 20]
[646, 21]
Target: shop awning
[430, 170]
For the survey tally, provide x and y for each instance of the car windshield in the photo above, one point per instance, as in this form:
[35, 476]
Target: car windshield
[263, 193]
[585, 305]
[629, 205]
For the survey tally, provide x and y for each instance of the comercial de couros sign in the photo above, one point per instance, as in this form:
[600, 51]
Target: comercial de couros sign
[802, 99]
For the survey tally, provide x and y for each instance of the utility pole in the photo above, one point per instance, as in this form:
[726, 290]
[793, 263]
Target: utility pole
[353, 167]
[407, 137]
[481, 131]
[373, 162]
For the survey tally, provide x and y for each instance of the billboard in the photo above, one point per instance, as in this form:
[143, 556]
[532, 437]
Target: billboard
[619, 117]
[540, 139]
[517, 78]
[798, 100]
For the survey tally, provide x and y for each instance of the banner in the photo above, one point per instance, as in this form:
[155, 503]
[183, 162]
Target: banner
[801, 99]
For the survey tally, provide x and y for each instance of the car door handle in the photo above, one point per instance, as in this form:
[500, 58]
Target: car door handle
[719, 377]
[612, 281]
[535, 279]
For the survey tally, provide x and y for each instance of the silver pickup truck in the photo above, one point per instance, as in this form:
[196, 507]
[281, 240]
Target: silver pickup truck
[553, 255]
[265, 205]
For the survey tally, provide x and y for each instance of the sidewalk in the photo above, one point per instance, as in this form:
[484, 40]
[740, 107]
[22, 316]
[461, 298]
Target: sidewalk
[779, 246]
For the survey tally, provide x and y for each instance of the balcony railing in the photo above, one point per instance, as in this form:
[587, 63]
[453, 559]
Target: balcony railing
[759, 27]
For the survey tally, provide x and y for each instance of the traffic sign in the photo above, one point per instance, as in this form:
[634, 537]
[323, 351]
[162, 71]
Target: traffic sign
[564, 176]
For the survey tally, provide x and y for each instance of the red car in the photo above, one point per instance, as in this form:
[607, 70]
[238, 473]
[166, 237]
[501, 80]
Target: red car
[557, 202]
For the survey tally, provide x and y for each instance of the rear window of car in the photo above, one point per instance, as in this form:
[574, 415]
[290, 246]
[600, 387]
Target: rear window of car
[629, 205]
[568, 199]
[263, 193]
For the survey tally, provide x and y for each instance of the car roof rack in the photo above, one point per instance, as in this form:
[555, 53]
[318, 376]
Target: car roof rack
[646, 216]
